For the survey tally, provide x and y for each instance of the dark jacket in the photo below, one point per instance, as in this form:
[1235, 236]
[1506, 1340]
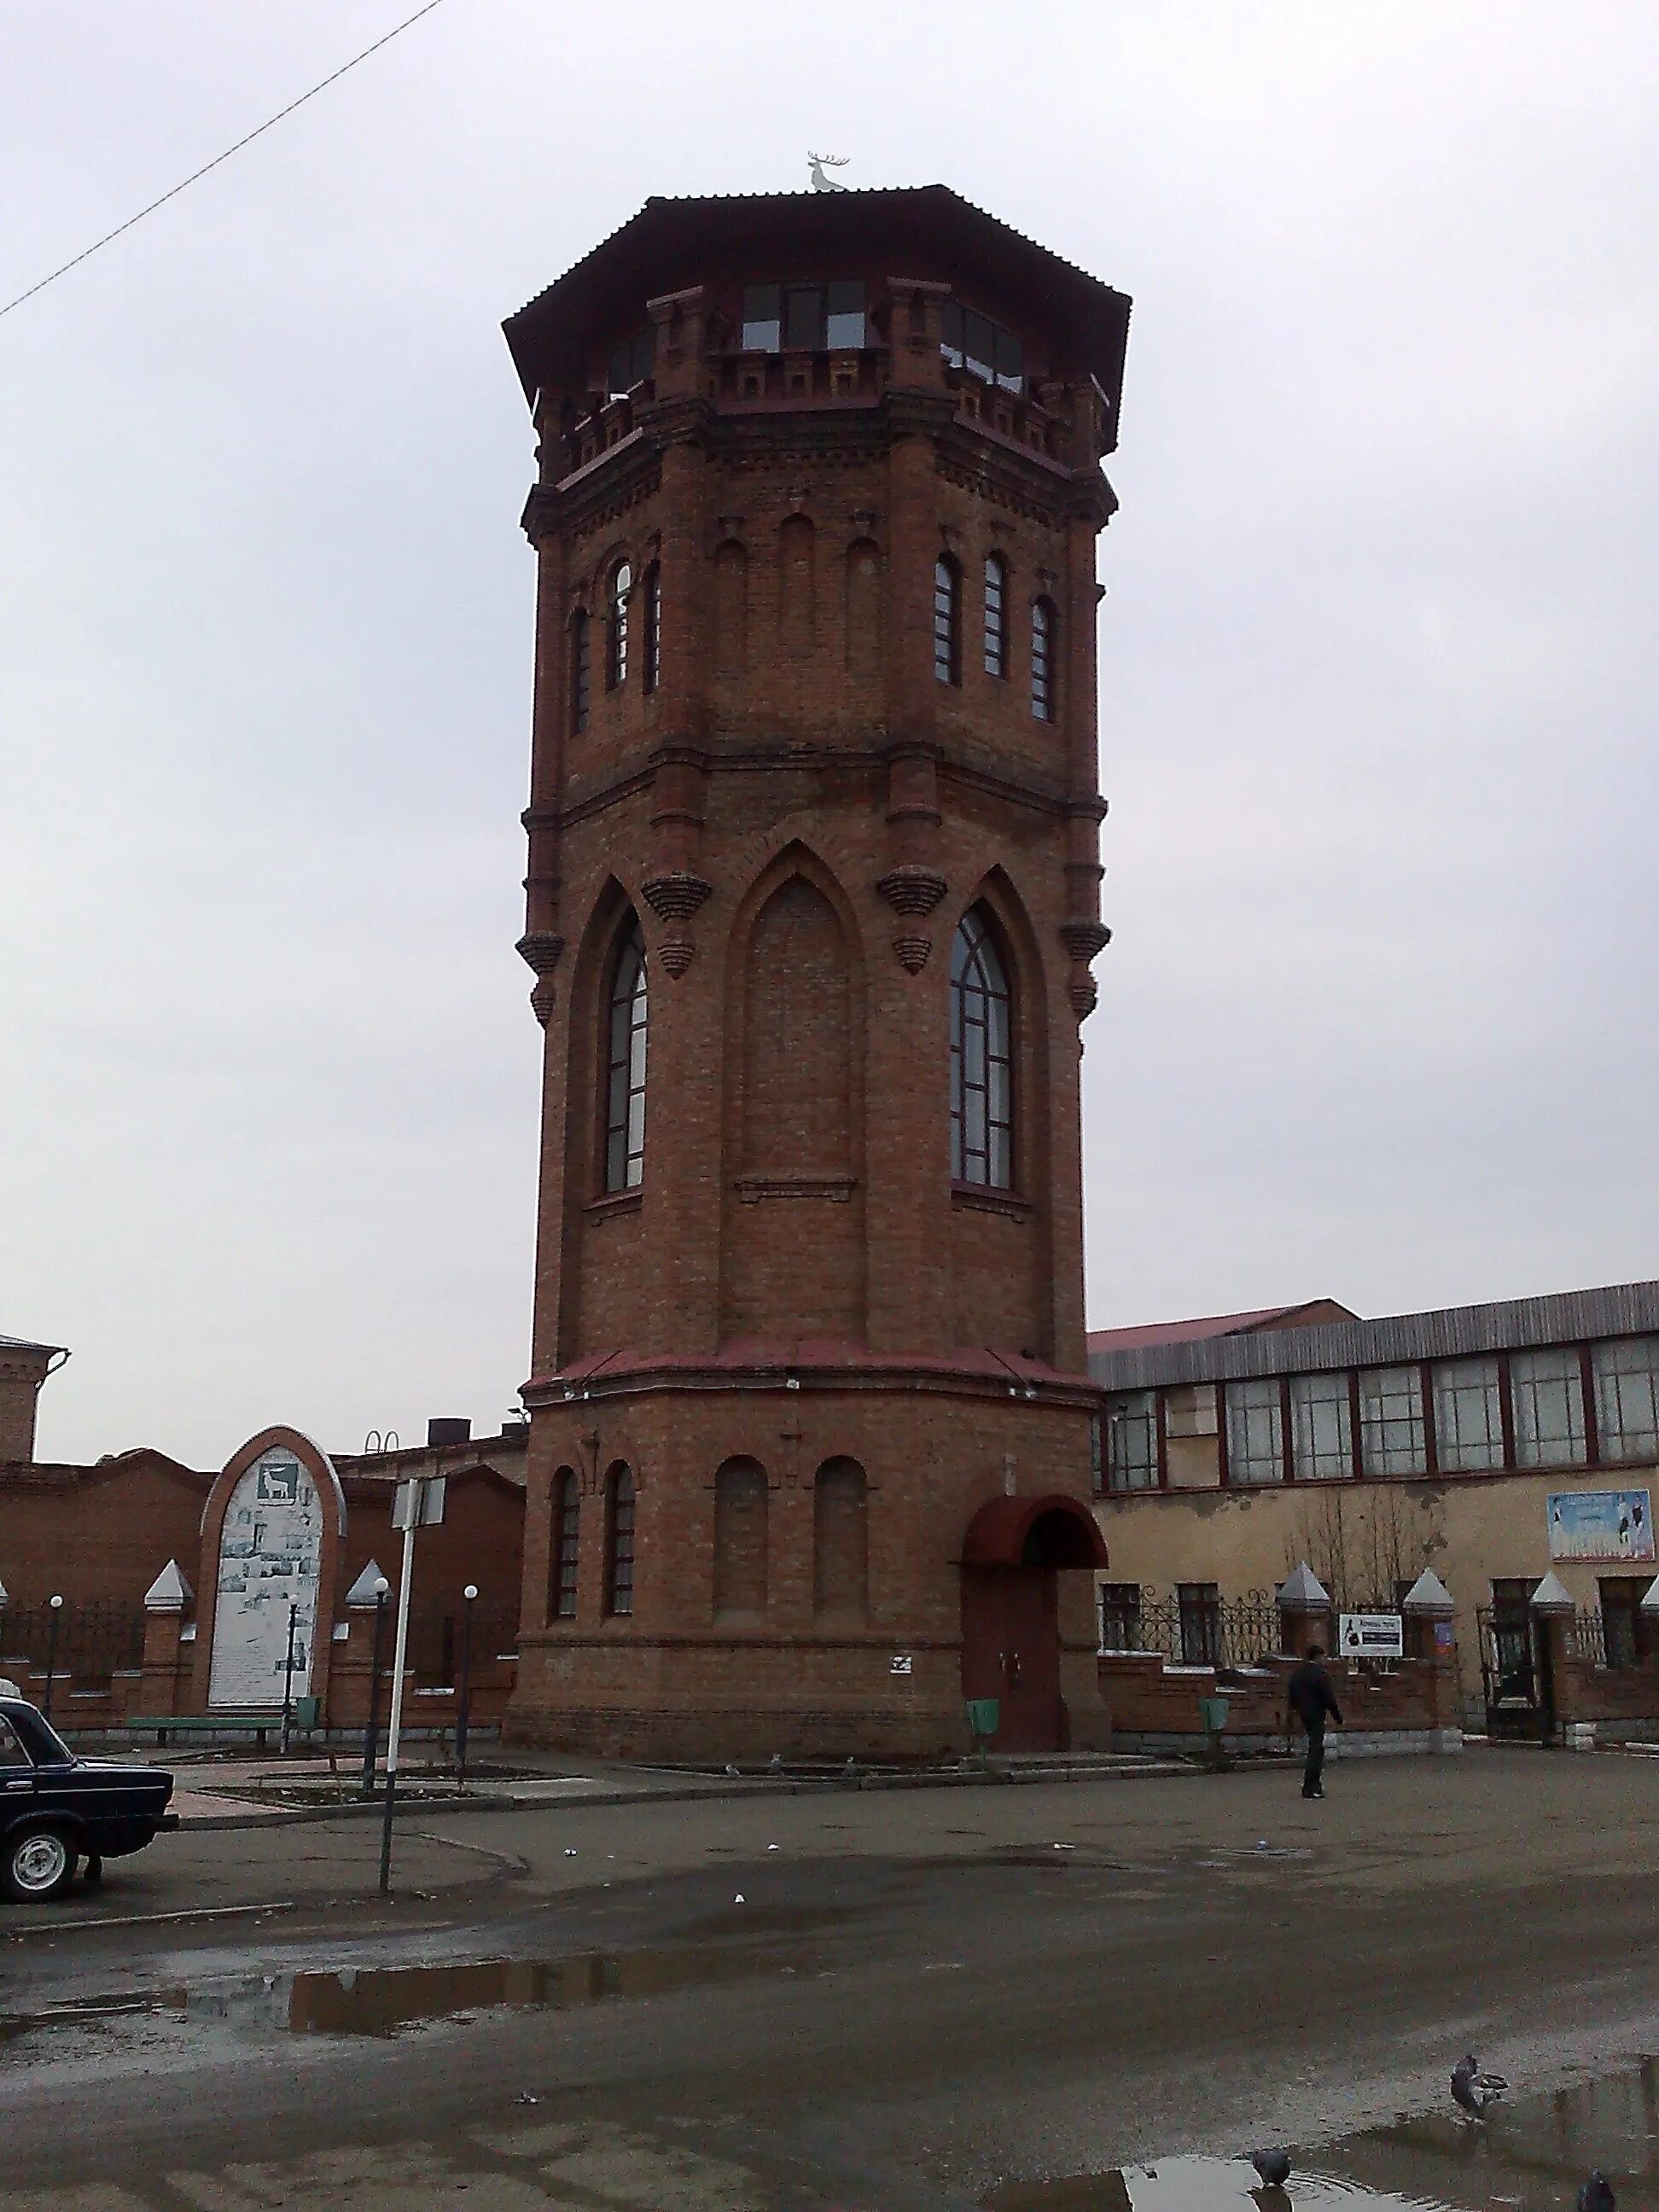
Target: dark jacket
[1311, 1696]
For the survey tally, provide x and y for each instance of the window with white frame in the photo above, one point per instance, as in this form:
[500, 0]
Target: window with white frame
[1255, 1431]
[1468, 1416]
[1131, 1440]
[1322, 1428]
[1626, 1373]
[1547, 1390]
[1392, 1438]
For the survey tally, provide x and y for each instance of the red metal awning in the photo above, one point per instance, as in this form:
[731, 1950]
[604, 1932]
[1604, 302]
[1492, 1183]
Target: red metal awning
[1056, 1531]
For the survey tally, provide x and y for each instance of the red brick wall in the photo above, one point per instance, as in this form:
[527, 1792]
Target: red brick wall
[98, 1534]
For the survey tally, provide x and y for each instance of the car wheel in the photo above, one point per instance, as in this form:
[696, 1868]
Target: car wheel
[39, 1863]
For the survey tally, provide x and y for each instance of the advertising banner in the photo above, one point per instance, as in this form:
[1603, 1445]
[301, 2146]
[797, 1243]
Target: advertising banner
[1600, 1524]
[1371, 1636]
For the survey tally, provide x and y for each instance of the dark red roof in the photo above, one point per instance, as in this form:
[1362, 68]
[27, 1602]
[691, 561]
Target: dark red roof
[921, 230]
[1150, 1335]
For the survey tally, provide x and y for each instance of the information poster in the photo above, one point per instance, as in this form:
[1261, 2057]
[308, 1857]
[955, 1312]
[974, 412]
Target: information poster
[1600, 1525]
[269, 1558]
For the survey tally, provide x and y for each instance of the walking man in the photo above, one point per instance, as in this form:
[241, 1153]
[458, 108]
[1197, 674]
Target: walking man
[1311, 1697]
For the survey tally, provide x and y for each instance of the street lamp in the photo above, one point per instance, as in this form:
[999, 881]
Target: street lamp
[55, 1603]
[288, 1675]
[381, 1586]
[463, 1688]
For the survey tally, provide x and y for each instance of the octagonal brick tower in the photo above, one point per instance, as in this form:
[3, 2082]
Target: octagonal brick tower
[812, 898]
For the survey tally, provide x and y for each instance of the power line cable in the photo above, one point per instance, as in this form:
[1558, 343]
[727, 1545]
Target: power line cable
[110, 235]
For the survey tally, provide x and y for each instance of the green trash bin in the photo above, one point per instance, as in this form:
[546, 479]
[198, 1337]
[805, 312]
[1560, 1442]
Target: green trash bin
[305, 1710]
[1213, 1715]
[984, 1717]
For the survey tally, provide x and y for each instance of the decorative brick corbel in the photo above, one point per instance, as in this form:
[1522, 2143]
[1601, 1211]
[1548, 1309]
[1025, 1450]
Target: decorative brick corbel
[675, 954]
[912, 949]
[1082, 939]
[912, 890]
[541, 950]
[676, 896]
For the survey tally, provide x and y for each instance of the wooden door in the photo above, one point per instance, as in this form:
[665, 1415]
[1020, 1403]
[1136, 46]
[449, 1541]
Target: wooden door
[1011, 1652]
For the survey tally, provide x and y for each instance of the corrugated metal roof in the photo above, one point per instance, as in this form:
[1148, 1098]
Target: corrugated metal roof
[1449, 1331]
[27, 1344]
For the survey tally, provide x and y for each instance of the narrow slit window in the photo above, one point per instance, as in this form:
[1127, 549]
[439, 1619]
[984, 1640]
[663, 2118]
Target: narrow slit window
[567, 1528]
[1042, 660]
[652, 658]
[996, 640]
[580, 673]
[982, 1070]
[619, 1544]
[624, 1134]
[621, 590]
[947, 658]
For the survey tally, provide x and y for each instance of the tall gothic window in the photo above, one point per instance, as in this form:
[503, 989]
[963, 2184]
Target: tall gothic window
[982, 1084]
[621, 589]
[619, 1540]
[996, 641]
[1043, 659]
[580, 672]
[652, 670]
[625, 1100]
[561, 1568]
[947, 620]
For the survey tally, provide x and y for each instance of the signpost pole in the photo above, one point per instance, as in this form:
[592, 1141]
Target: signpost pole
[410, 1501]
[371, 1729]
[288, 1675]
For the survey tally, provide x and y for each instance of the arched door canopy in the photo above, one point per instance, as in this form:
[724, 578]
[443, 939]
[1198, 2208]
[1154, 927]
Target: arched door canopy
[1056, 1531]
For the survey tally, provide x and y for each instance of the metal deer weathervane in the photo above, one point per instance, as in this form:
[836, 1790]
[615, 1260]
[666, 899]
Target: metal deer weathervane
[816, 165]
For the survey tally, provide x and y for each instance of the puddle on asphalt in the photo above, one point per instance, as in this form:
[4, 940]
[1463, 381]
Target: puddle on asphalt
[383, 2000]
[1531, 2155]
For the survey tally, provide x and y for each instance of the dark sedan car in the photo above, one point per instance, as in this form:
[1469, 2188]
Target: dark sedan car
[57, 1809]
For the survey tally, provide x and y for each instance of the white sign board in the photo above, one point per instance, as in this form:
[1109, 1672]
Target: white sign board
[270, 1552]
[1600, 1524]
[901, 1663]
[1370, 1636]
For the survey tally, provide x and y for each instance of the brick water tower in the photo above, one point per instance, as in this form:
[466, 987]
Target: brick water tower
[813, 892]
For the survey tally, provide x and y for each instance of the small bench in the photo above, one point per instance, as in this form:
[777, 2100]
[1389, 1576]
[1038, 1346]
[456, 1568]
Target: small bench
[301, 1722]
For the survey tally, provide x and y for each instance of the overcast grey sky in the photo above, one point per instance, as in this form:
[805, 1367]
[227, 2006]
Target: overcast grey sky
[1377, 661]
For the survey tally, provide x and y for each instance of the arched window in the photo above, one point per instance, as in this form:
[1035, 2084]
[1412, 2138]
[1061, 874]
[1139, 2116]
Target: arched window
[996, 641]
[1043, 659]
[619, 1541]
[580, 672]
[651, 671]
[621, 586]
[981, 1085]
[841, 1544]
[947, 622]
[624, 1095]
[561, 1564]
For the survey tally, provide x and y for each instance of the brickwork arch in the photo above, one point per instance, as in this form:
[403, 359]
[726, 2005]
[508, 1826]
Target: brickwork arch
[840, 1541]
[741, 1565]
[793, 1213]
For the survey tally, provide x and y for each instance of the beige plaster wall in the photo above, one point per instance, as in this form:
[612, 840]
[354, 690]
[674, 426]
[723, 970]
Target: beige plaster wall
[1470, 1529]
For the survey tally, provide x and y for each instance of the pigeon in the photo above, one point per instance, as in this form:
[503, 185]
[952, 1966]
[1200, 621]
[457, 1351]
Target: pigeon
[775, 1765]
[1472, 2091]
[1595, 2195]
[731, 1769]
[1273, 2166]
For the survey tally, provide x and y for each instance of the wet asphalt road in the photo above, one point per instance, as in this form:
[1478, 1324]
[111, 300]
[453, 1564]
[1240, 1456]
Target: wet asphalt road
[920, 2001]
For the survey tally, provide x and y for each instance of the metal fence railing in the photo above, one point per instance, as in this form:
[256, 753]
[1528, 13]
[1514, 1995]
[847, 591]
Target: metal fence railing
[88, 1643]
[1192, 1630]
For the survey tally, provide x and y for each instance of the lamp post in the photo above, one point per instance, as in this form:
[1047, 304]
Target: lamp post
[55, 1603]
[381, 1587]
[288, 1675]
[463, 1687]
